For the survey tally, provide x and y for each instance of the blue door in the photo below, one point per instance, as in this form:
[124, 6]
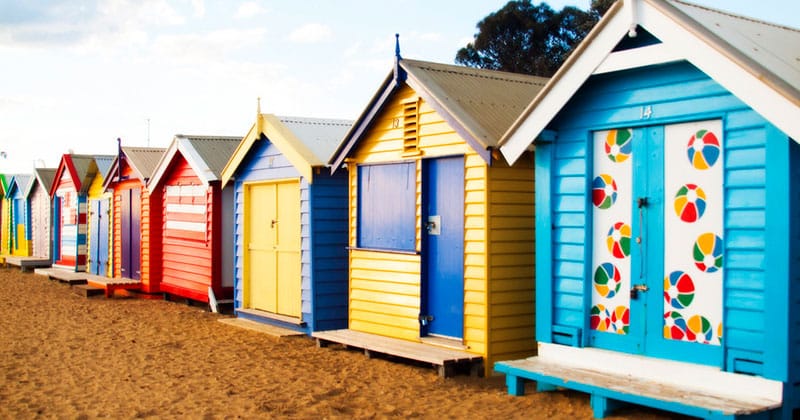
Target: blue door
[657, 229]
[131, 233]
[56, 221]
[99, 228]
[443, 247]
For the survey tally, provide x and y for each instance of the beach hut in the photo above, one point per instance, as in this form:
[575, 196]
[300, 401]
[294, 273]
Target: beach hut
[196, 217]
[290, 226]
[136, 241]
[5, 215]
[69, 194]
[666, 175]
[39, 199]
[98, 230]
[19, 230]
[440, 239]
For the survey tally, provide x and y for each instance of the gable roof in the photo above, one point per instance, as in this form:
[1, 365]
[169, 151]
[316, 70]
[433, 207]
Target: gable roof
[306, 142]
[207, 155]
[45, 177]
[478, 104]
[21, 182]
[759, 62]
[81, 169]
[142, 161]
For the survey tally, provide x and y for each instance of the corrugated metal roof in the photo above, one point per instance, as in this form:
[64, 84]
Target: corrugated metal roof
[485, 102]
[214, 150]
[773, 47]
[45, 177]
[144, 159]
[320, 136]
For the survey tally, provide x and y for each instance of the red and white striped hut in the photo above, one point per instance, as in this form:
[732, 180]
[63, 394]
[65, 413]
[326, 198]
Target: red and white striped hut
[197, 217]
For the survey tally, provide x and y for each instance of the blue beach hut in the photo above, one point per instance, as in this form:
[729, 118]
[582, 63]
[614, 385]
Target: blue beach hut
[290, 226]
[666, 167]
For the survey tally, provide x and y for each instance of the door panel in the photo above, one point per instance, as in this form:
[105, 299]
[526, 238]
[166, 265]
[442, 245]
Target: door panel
[443, 248]
[287, 248]
[260, 282]
[656, 228]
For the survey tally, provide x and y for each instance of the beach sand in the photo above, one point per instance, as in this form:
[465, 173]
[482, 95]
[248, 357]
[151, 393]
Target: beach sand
[67, 356]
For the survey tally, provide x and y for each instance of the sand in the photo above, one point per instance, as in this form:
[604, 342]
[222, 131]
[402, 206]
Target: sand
[67, 356]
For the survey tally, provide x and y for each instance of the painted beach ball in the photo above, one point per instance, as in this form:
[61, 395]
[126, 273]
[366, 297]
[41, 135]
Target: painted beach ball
[619, 240]
[620, 319]
[699, 329]
[618, 144]
[607, 280]
[678, 289]
[599, 319]
[703, 149]
[674, 326]
[690, 203]
[604, 191]
[707, 252]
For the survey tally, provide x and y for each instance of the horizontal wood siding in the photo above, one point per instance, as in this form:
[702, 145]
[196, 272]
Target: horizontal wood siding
[187, 253]
[675, 93]
[476, 265]
[152, 255]
[511, 233]
[793, 368]
[328, 257]
[40, 221]
[385, 294]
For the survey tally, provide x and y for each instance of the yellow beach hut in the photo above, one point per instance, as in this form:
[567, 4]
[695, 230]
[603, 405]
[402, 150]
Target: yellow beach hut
[99, 226]
[441, 242]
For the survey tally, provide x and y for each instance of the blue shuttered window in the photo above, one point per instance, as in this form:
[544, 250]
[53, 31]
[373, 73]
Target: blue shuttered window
[386, 206]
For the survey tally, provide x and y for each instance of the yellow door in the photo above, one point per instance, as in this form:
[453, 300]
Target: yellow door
[273, 259]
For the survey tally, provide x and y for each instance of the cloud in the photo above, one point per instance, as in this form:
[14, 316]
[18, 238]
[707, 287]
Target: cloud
[311, 33]
[206, 46]
[248, 10]
[62, 23]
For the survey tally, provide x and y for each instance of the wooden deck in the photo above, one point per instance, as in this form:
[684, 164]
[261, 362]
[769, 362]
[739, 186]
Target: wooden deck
[445, 359]
[62, 275]
[27, 263]
[109, 285]
[673, 386]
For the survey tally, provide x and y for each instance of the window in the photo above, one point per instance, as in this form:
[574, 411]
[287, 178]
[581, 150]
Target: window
[386, 206]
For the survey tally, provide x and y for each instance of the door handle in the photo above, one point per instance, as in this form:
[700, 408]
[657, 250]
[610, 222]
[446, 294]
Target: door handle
[638, 288]
[272, 225]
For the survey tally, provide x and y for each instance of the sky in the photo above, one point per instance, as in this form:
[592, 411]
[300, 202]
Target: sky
[75, 75]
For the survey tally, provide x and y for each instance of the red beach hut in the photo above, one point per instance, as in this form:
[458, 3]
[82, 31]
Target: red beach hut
[196, 217]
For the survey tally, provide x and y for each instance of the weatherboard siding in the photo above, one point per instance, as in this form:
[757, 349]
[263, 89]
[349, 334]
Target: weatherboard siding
[40, 221]
[676, 93]
[323, 218]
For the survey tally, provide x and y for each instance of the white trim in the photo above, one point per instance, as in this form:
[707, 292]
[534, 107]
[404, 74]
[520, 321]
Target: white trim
[186, 208]
[689, 376]
[190, 226]
[638, 57]
[186, 190]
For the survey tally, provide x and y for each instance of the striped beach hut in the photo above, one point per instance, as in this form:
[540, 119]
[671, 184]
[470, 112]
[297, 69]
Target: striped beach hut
[69, 194]
[99, 221]
[136, 241]
[196, 217]
[290, 256]
[5, 215]
[440, 239]
[41, 212]
[20, 228]
[666, 175]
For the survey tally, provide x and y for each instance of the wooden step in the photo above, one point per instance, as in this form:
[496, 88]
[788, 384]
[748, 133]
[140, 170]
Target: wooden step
[446, 360]
[86, 290]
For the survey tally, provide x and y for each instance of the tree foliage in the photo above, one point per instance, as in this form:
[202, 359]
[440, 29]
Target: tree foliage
[526, 38]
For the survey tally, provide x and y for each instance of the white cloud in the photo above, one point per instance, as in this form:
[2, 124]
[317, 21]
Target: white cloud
[311, 33]
[248, 10]
[207, 46]
[199, 7]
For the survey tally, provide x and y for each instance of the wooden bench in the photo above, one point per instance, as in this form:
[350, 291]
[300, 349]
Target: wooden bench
[613, 378]
[446, 360]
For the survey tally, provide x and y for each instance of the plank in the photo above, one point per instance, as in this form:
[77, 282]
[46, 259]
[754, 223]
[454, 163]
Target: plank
[621, 385]
[419, 351]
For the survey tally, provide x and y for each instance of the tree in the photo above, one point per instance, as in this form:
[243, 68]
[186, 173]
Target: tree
[532, 39]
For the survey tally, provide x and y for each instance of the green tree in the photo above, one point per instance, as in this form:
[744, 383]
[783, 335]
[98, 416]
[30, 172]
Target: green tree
[526, 38]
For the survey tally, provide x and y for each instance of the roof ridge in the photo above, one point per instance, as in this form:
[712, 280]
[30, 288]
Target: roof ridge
[488, 74]
[734, 15]
[316, 121]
